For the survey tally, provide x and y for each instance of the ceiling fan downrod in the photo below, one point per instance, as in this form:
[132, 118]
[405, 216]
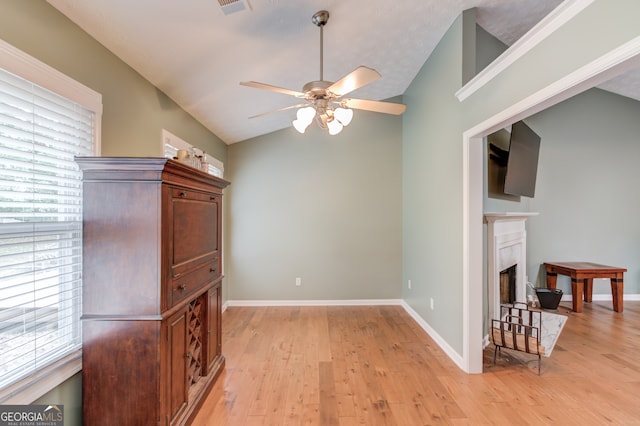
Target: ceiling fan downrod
[320, 19]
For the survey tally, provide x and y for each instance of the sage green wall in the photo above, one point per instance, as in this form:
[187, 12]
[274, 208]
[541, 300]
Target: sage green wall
[69, 394]
[432, 184]
[323, 208]
[488, 48]
[585, 191]
[135, 111]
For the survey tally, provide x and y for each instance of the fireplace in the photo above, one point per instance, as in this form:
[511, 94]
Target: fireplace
[507, 259]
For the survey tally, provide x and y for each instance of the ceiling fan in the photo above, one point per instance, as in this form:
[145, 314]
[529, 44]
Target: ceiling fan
[324, 100]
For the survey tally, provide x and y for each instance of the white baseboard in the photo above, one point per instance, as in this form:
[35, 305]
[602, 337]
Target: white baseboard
[604, 297]
[348, 302]
[451, 353]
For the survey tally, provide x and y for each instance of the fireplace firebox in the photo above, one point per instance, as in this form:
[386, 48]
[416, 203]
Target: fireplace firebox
[508, 285]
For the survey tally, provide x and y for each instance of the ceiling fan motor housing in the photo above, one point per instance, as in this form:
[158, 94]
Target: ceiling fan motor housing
[318, 88]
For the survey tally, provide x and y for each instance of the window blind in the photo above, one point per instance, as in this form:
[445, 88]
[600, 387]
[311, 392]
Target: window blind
[40, 225]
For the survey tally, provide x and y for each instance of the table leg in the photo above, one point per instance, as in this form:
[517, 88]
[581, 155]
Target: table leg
[552, 278]
[577, 289]
[617, 293]
[588, 290]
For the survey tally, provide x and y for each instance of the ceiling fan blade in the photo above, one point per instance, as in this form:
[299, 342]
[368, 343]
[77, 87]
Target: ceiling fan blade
[356, 79]
[264, 86]
[375, 106]
[278, 110]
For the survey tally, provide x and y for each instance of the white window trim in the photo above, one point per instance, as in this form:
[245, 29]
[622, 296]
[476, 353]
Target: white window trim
[15, 61]
[29, 389]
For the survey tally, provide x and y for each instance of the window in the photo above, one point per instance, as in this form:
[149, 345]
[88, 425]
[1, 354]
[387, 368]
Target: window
[40, 215]
[171, 144]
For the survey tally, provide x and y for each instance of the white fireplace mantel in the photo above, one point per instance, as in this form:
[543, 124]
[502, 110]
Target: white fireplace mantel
[509, 216]
[507, 246]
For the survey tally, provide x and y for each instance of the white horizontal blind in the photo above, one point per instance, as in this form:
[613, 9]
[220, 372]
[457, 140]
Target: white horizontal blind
[40, 225]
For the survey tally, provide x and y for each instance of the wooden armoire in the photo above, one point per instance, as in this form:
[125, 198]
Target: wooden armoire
[152, 279]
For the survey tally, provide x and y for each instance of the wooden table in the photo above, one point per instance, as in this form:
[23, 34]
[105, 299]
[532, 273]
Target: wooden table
[582, 275]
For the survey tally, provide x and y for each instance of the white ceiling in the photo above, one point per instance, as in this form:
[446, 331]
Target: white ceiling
[197, 55]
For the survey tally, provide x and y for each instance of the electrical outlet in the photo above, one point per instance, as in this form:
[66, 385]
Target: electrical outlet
[409, 284]
[298, 281]
[432, 304]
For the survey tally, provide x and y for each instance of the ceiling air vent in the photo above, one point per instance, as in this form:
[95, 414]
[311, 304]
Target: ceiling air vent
[232, 6]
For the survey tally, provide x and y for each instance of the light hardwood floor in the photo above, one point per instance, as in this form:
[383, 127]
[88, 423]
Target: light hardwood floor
[375, 366]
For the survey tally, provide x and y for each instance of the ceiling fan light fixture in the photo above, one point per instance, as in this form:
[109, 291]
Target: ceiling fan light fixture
[343, 115]
[324, 98]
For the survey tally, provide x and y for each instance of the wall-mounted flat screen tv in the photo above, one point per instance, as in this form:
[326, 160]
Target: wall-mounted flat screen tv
[522, 165]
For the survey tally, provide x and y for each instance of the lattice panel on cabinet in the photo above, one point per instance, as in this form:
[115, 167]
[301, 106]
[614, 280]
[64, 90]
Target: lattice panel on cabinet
[195, 317]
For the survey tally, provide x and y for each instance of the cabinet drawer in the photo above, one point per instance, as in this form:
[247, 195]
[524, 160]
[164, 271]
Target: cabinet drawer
[183, 286]
[189, 194]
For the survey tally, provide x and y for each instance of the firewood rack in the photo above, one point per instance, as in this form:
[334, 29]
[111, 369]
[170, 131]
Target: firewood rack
[517, 329]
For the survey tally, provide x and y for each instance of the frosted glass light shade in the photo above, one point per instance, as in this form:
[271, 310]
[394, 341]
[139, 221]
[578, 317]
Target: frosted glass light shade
[300, 125]
[334, 127]
[306, 114]
[344, 115]
[305, 117]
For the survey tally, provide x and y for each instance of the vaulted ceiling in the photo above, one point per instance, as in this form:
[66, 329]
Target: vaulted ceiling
[198, 51]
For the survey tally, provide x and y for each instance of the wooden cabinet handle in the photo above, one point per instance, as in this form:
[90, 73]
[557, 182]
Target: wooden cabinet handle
[183, 194]
[212, 198]
[183, 286]
[189, 356]
[212, 269]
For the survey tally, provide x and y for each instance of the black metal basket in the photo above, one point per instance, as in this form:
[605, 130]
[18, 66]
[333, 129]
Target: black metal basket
[549, 298]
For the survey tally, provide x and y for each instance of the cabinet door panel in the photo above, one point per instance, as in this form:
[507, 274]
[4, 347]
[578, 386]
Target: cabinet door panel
[195, 229]
[177, 351]
[214, 347]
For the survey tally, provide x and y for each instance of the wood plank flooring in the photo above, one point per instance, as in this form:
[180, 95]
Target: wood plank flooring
[374, 365]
